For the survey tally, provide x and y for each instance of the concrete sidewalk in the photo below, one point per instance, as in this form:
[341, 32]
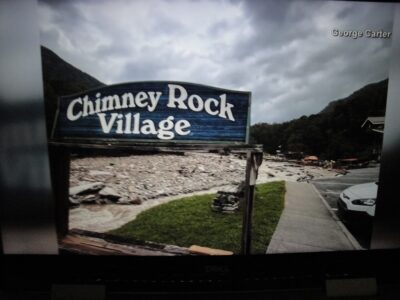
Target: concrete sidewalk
[307, 225]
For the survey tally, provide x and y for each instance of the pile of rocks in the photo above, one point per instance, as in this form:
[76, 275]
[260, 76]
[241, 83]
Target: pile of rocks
[98, 193]
[144, 177]
[228, 202]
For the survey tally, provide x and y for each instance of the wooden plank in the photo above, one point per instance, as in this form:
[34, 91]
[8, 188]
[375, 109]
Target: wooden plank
[253, 163]
[84, 245]
[208, 251]
[89, 242]
[246, 238]
[77, 144]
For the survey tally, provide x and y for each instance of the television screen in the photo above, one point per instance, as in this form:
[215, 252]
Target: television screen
[317, 73]
[199, 128]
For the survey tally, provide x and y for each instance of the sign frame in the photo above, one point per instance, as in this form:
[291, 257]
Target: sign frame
[138, 141]
[62, 147]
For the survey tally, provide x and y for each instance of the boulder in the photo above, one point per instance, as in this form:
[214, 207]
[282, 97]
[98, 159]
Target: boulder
[88, 199]
[123, 200]
[86, 188]
[132, 199]
[74, 201]
[136, 201]
[110, 193]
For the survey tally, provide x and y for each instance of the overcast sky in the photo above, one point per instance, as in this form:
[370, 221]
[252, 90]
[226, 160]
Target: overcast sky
[281, 51]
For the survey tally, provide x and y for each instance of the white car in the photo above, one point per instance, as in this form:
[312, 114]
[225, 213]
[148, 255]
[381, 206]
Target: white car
[358, 201]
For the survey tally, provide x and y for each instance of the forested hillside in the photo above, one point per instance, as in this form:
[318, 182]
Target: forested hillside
[333, 133]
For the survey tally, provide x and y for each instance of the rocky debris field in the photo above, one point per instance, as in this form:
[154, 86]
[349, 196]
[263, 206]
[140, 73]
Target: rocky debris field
[134, 179]
[271, 170]
[138, 178]
[151, 180]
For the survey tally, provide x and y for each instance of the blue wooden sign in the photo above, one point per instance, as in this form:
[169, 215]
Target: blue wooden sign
[155, 111]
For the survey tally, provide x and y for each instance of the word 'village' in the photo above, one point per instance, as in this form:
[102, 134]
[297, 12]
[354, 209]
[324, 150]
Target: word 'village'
[131, 123]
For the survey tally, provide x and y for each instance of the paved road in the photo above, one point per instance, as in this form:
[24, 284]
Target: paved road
[330, 188]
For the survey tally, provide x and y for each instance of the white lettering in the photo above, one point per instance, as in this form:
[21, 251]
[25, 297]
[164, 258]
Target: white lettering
[165, 130]
[154, 98]
[70, 110]
[106, 126]
[173, 99]
[225, 109]
[140, 99]
[128, 123]
[111, 103]
[207, 106]
[165, 126]
[119, 124]
[191, 103]
[136, 124]
[148, 127]
[178, 98]
[88, 108]
[98, 106]
[180, 126]
[127, 97]
[98, 103]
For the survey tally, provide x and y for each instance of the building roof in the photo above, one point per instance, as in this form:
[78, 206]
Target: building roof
[374, 121]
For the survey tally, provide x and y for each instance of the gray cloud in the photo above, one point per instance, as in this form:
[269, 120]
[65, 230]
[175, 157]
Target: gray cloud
[282, 51]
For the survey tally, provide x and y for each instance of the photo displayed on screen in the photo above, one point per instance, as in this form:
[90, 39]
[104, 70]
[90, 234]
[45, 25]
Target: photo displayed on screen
[284, 102]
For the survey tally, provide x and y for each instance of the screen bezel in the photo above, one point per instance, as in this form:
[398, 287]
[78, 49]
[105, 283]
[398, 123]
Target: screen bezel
[291, 270]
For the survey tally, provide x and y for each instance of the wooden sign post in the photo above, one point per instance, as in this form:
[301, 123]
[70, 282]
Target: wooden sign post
[152, 116]
[254, 160]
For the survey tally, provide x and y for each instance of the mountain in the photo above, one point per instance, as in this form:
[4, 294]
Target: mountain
[369, 97]
[333, 133]
[61, 78]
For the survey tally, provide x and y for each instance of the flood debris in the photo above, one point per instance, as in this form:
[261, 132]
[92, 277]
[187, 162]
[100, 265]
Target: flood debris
[306, 178]
[137, 178]
[86, 188]
[110, 193]
[228, 201]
